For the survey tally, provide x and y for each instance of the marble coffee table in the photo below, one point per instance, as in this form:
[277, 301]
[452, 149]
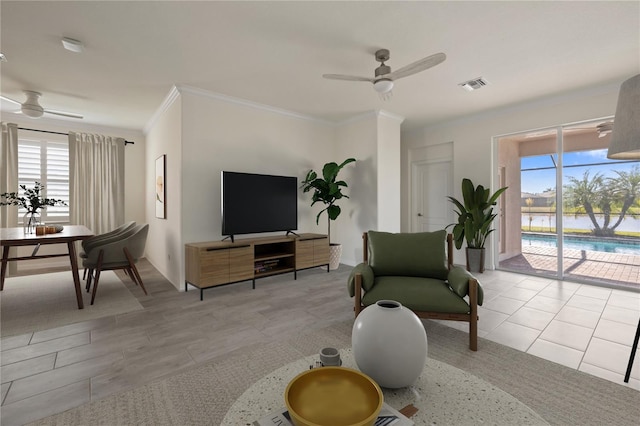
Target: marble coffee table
[444, 395]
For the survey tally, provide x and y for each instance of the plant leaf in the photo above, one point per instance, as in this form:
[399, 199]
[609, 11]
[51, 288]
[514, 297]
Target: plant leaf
[333, 211]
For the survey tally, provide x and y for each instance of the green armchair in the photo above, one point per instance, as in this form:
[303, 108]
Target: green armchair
[412, 268]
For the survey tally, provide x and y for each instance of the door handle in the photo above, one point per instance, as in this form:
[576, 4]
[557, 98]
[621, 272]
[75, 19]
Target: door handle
[419, 214]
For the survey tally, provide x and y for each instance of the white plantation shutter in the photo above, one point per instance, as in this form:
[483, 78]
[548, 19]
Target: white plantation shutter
[45, 161]
[57, 182]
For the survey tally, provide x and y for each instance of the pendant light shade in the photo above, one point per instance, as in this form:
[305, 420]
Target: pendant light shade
[625, 139]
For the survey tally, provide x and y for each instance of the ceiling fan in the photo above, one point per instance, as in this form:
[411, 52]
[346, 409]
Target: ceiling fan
[603, 129]
[384, 77]
[31, 108]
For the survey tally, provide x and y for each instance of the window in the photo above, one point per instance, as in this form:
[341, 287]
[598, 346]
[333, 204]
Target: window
[45, 159]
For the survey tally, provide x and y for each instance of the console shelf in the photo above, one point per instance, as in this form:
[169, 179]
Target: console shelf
[215, 263]
[273, 256]
[275, 271]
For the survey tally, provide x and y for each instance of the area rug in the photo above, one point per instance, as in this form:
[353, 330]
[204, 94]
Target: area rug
[40, 302]
[202, 395]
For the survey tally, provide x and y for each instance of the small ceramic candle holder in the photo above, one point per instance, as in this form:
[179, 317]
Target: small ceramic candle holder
[330, 357]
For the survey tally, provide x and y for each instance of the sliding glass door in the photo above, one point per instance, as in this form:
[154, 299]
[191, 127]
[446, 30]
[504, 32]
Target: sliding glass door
[578, 215]
[538, 213]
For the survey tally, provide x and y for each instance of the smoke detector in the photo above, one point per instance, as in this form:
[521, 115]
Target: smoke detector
[474, 84]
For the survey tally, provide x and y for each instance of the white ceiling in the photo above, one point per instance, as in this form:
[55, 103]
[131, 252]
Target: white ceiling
[275, 53]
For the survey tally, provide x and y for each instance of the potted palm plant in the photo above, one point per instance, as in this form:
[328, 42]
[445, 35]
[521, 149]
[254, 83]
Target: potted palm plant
[475, 215]
[328, 190]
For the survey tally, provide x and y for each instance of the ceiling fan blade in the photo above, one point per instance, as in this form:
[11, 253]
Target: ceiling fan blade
[417, 66]
[63, 113]
[10, 100]
[347, 77]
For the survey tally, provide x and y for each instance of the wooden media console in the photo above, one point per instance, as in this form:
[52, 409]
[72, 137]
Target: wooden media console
[214, 263]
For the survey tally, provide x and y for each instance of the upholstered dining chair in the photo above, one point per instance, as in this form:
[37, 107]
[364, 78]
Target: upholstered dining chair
[120, 252]
[92, 242]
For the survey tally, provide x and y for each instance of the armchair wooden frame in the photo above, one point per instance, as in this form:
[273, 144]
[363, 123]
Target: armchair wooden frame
[119, 252]
[471, 317]
[130, 269]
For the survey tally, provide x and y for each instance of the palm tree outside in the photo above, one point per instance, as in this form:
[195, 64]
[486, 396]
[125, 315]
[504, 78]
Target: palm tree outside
[605, 200]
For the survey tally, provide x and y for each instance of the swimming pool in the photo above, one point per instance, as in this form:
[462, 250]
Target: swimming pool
[608, 245]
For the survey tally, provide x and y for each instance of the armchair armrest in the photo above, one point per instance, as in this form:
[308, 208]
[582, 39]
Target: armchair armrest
[366, 272]
[459, 280]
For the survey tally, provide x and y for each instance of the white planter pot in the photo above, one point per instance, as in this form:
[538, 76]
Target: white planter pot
[389, 344]
[335, 252]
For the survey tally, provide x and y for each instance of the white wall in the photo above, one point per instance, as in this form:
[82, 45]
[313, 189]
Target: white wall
[220, 135]
[473, 153]
[357, 138]
[389, 172]
[373, 139]
[164, 249]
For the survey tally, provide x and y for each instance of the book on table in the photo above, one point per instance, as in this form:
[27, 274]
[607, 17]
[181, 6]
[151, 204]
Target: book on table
[388, 417]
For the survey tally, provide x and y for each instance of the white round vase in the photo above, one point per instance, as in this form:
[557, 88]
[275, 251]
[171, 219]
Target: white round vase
[389, 344]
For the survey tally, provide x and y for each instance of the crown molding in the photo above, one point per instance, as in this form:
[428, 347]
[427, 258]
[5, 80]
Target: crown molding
[177, 90]
[164, 106]
[356, 118]
[387, 114]
[370, 114]
[251, 104]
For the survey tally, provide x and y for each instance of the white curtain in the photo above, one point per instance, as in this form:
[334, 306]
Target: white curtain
[96, 181]
[9, 172]
[9, 182]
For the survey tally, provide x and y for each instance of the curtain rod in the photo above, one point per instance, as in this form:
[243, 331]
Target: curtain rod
[64, 134]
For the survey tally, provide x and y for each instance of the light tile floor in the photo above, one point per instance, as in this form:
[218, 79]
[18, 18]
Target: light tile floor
[581, 326]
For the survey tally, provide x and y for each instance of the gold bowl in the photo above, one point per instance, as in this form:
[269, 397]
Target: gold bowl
[333, 396]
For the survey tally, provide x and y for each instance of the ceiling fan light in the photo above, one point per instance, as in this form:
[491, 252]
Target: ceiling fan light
[383, 85]
[625, 139]
[72, 45]
[32, 111]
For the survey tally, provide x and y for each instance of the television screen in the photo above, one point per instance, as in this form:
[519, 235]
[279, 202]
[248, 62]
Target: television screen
[254, 203]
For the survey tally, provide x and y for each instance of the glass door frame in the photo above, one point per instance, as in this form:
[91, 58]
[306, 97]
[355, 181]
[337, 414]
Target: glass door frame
[495, 176]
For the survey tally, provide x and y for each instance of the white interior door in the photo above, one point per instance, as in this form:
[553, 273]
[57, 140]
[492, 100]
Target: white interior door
[431, 183]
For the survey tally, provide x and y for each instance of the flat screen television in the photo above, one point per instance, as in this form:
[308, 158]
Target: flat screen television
[255, 203]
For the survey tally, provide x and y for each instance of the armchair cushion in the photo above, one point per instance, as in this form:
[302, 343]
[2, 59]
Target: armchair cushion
[419, 254]
[367, 278]
[459, 282]
[417, 294]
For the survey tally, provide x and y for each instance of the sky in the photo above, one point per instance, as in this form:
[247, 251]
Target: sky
[538, 181]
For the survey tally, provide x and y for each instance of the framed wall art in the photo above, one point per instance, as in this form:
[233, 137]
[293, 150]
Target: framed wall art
[161, 189]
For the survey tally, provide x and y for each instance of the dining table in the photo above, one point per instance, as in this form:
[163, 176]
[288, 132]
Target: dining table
[18, 237]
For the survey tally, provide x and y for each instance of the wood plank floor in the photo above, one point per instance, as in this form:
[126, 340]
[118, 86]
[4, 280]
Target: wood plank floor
[51, 371]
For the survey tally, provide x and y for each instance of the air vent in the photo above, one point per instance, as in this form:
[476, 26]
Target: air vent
[474, 84]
